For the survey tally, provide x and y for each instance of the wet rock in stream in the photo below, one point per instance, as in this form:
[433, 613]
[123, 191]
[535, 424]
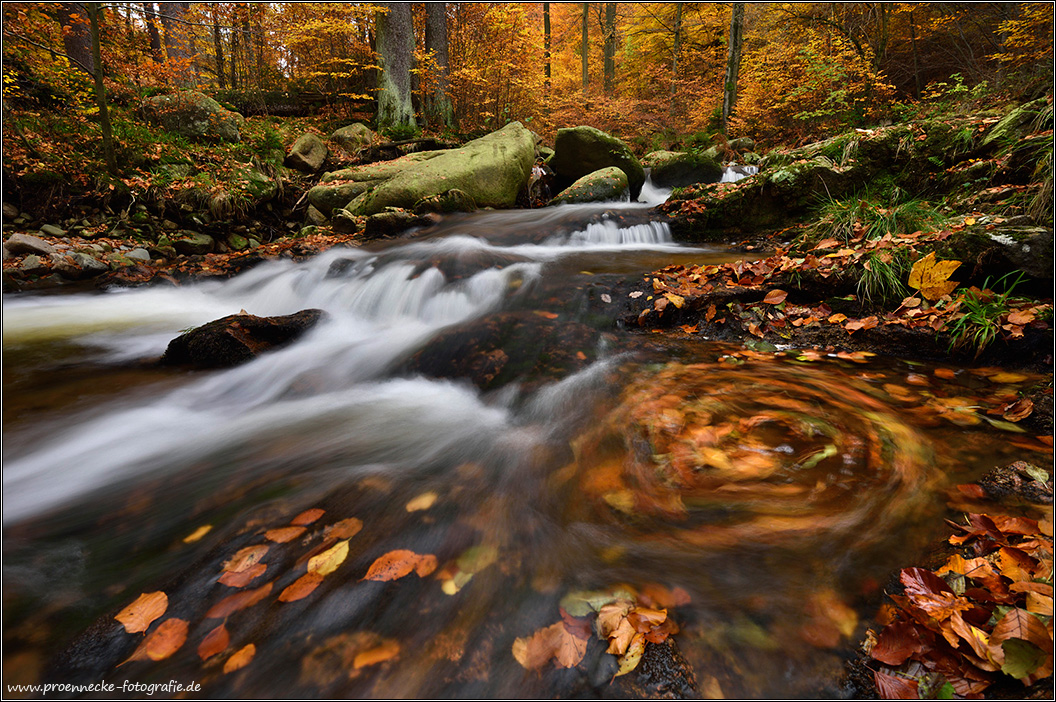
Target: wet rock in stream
[237, 338]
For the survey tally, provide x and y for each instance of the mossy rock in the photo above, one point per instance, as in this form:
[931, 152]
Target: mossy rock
[193, 243]
[353, 137]
[579, 151]
[307, 154]
[1013, 125]
[453, 200]
[327, 197]
[685, 169]
[601, 185]
[193, 115]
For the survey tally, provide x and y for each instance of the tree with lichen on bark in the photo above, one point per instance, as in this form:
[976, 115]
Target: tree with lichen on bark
[395, 40]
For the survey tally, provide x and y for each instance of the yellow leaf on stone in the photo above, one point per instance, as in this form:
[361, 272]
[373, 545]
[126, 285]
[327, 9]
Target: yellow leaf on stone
[676, 300]
[931, 277]
[328, 561]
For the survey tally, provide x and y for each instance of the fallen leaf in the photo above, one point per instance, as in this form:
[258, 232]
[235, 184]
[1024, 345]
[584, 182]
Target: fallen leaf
[632, 656]
[345, 529]
[238, 601]
[163, 642]
[328, 561]
[931, 277]
[197, 534]
[895, 687]
[139, 615]
[837, 318]
[399, 563]
[1021, 317]
[387, 650]
[301, 587]
[307, 517]
[215, 642]
[245, 558]
[775, 297]
[284, 535]
[240, 658]
[1021, 624]
[242, 578]
[1019, 410]
[422, 502]
[677, 300]
[554, 642]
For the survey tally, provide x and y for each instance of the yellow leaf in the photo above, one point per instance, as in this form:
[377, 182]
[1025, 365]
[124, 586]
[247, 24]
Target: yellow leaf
[422, 502]
[969, 221]
[197, 534]
[328, 561]
[931, 277]
[676, 300]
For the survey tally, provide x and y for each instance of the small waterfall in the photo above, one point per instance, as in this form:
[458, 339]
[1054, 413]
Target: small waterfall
[733, 172]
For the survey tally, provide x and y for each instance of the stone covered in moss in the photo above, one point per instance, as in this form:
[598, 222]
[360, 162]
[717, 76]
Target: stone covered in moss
[579, 151]
[193, 115]
[307, 154]
[601, 185]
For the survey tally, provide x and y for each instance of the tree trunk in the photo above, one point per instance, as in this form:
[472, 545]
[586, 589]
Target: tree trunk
[675, 51]
[438, 105]
[94, 9]
[218, 47]
[235, 47]
[733, 63]
[585, 46]
[610, 46]
[395, 36]
[177, 39]
[76, 35]
[546, 51]
[917, 86]
[152, 29]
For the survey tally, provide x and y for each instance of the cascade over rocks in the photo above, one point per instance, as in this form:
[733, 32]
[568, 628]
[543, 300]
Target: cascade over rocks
[193, 115]
[579, 151]
[237, 338]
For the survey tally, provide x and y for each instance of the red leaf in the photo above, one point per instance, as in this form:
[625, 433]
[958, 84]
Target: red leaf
[897, 643]
[893, 687]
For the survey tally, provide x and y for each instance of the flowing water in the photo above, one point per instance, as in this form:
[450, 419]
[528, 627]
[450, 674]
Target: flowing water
[467, 398]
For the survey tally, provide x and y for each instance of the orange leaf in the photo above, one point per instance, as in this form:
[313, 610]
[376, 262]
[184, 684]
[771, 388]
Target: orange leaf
[243, 578]
[1021, 624]
[284, 534]
[837, 318]
[238, 601]
[214, 642]
[307, 517]
[396, 564]
[165, 641]
[1021, 317]
[139, 615]
[387, 650]
[246, 558]
[775, 297]
[240, 659]
[345, 529]
[553, 642]
[931, 277]
[301, 587]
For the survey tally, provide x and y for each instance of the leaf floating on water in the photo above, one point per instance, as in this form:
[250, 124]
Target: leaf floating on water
[197, 534]
[422, 502]
[238, 601]
[215, 642]
[163, 642]
[301, 587]
[240, 659]
[1019, 410]
[328, 561]
[1005, 377]
[387, 650]
[931, 277]
[284, 535]
[139, 615]
[307, 517]
[555, 642]
[243, 578]
[345, 529]
[245, 558]
[397, 564]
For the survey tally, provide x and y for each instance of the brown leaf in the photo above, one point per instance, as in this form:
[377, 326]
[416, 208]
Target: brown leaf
[301, 587]
[284, 535]
[345, 529]
[896, 643]
[243, 578]
[775, 297]
[163, 642]
[1021, 317]
[399, 563]
[215, 642]
[240, 658]
[246, 558]
[1021, 624]
[238, 601]
[139, 615]
[553, 642]
[895, 687]
[1021, 409]
[307, 517]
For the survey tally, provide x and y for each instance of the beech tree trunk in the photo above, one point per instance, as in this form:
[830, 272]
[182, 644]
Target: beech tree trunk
[151, 18]
[438, 104]
[610, 47]
[733, 62]
[218, 47]
[76, 35]
[94, 10]
[585, 46]
[395, 37]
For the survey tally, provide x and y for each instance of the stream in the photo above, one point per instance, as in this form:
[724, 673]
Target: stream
[468, 397]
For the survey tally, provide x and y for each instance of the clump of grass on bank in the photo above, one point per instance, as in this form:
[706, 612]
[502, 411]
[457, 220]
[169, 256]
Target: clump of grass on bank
[872, 217]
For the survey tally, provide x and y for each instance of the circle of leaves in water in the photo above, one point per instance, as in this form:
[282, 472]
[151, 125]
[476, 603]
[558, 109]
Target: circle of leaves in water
[760, 452]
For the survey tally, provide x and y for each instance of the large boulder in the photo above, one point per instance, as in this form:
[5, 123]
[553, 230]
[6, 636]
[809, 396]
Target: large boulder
[677, 169]
[353, 136]
[601, 185]
[193, 115]
[307, 154]
[327, 197]
[579, 151]
[237, 338]
[491, 170]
